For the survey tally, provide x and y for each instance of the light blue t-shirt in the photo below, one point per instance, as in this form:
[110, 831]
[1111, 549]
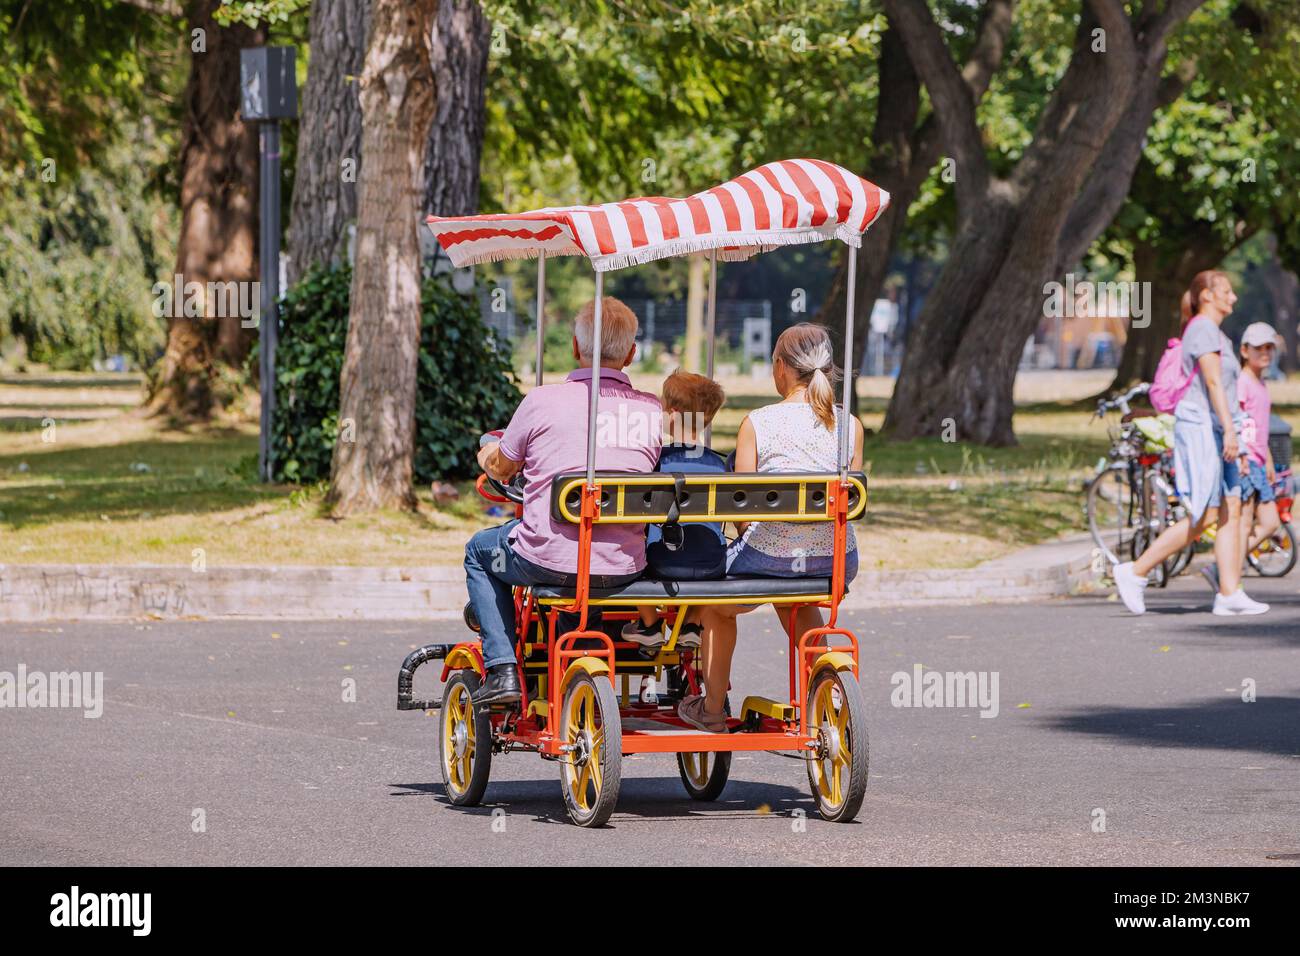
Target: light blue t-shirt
[1201, 337]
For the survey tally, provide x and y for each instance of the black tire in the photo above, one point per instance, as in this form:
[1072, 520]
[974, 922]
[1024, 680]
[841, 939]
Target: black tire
[1181, 560]
[1110, 510]
[1281, 556]
[836, 800]
[590, 775]
[464, 741]
[705, 774]
[1156, 520]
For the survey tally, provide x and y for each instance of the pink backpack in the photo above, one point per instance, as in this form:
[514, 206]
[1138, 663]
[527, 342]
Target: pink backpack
[1169, 386]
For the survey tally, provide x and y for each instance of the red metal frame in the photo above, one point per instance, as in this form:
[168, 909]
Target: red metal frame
[528, 732]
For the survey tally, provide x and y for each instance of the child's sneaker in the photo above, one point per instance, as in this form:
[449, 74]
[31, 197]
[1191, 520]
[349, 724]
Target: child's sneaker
[1211, 574]
[689, 636]
[646, 635]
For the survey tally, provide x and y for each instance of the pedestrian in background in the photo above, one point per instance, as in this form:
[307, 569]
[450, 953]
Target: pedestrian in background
[1207, 454]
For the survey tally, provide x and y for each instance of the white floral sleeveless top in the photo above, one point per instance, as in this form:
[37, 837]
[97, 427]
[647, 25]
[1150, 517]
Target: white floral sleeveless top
[790, 438]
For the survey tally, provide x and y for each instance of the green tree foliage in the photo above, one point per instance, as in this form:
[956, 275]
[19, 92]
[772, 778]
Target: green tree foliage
[464, 384]
[72, 68]
[79, 257]
[86, 113]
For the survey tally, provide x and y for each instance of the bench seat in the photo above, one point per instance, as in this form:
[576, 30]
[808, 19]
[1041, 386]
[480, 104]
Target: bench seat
[652, 591]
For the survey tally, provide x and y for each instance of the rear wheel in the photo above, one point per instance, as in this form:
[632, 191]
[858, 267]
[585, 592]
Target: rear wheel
[592, 765]
[1275, 556]
[465, 743]
[837, 771]
[704, 775]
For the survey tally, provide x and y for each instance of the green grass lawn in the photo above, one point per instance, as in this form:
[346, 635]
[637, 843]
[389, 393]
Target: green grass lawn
[124, 489]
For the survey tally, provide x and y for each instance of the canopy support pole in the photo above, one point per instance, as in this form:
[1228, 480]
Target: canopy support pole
[541, 311]
[710, 314]
[710, 318]
[847, 432]
[596, 351]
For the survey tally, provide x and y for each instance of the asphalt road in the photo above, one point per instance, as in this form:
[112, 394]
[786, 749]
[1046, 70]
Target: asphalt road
[1142, 719]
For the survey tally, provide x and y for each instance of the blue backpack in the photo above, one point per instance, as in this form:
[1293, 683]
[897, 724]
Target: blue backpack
[687, 552]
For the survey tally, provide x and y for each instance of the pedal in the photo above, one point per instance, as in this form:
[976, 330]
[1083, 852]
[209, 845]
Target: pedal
[763, 707]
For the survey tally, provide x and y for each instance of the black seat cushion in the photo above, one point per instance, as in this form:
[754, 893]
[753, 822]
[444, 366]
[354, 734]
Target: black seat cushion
[647, 590]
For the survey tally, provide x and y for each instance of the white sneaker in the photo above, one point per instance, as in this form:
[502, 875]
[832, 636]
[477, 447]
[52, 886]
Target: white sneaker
[1238, 603]
[1130, 587]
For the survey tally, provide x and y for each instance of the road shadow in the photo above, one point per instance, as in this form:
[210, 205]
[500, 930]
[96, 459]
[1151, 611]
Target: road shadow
[1270, 725]
[640, 798]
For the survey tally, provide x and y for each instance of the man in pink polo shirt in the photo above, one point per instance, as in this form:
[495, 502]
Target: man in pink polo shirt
[548, 437]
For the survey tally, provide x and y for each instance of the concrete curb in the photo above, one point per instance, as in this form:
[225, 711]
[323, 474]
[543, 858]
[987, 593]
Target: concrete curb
[38, 592]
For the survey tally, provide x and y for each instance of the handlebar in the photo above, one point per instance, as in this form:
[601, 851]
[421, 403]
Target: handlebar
[1120, 403]
[506, 494]
[490, 496]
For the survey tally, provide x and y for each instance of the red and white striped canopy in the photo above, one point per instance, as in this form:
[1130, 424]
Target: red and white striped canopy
[780, 204]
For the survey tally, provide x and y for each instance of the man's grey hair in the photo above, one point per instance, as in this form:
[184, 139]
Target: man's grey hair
[618, 328]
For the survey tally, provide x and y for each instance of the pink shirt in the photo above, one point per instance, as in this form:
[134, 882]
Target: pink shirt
[1253, 395]
[549, 435]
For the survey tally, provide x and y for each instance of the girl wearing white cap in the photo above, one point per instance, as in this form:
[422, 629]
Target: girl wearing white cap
[1259, 503]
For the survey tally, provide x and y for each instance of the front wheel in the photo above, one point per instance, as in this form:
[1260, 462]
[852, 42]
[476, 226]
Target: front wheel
[1110, 512]
[1155, 519]
[465, 743]
[1275, 556]
[837, 770]
[592, 764]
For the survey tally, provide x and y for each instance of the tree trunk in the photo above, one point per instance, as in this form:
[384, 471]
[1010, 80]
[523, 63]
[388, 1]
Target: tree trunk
[899, 170]
[372, 465]
[1169, 280]
[329, 138]
[905, 155]
[218, 236]
[460, 56]
[1284, 289]
[959, 371]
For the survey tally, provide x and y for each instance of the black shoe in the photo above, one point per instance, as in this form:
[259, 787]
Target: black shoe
[501, 686]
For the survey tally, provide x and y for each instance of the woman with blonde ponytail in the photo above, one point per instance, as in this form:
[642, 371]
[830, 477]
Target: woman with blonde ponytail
[800, 433]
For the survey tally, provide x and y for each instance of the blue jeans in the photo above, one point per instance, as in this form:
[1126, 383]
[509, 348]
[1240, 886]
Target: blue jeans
[1255, 483]
[492, 569]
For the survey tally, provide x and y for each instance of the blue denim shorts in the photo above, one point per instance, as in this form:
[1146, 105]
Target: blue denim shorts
[1232, 483]
[1255, 484]
[743, 561]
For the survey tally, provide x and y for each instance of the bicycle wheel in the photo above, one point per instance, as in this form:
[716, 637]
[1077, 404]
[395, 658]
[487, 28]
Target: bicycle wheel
[1275, 556]
[1155, 498]
[1179, 562]
[1110, 510]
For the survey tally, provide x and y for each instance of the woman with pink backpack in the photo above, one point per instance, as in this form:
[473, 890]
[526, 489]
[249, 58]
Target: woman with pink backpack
[1197, 374]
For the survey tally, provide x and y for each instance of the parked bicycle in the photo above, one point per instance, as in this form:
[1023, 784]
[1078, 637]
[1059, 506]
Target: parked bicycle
[1131, 497]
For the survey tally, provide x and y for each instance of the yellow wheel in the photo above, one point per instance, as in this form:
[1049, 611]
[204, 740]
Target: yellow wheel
[704, 775]
[591, 767]
[837, 770]
[465, 743]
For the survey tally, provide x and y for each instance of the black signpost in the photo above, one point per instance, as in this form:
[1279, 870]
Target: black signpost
[268, 93]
